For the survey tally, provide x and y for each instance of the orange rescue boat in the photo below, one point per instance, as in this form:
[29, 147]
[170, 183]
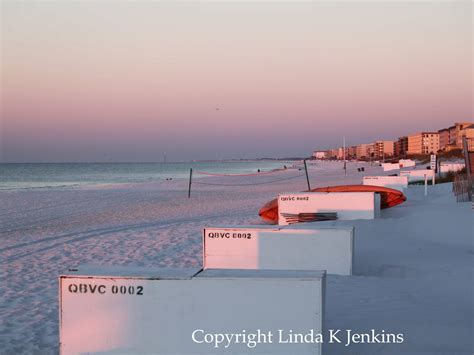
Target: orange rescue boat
[388, 198]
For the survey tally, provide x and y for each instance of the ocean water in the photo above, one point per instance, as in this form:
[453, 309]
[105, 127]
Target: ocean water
[67, 175]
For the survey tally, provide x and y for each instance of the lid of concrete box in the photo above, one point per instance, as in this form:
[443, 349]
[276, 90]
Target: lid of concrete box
[260, 274]
[309, 227]
[299, 228]
[254, 227]
[132, 272]
[316, 193]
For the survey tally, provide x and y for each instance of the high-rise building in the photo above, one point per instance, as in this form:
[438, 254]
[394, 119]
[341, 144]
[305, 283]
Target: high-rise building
[371, 151]
[320, 154]
[362, 151]
[444, 140]
[401, 146]
[459, 132]
[451, 137]
[423, 143]
[332, 153]
[352, 152]
[383, 149]
[468, 131]
[341, 153]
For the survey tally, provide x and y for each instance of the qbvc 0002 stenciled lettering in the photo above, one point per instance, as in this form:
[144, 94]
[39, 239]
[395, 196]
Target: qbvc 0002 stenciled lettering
[102, 289]
[256, 337]
[228, 235]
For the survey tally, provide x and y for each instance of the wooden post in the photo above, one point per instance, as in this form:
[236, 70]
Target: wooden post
[467, 164]
[426, 184]
[190, 180]
[307, 177]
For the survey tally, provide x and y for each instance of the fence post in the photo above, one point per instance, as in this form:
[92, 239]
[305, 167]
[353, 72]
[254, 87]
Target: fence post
[467, 164]
[307, 177]
[426, 184]
[190, 180]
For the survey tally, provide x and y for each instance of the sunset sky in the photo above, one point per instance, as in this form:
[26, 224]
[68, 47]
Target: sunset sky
[129, 80]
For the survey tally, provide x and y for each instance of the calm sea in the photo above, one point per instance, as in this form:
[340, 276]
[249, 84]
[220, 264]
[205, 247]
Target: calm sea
[64, 175]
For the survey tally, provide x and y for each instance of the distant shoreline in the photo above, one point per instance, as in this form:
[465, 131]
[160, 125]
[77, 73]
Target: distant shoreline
[161, 162]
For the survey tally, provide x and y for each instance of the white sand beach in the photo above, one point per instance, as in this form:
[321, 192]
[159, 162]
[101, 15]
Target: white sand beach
[413, 266]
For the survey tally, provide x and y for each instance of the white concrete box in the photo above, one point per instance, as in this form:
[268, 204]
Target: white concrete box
[390, 166]
[453, 167]
[402, 163]
[318, 248]
[406, 163]
[348, 205]
[189, 312]
[393, 182]
[418, 175]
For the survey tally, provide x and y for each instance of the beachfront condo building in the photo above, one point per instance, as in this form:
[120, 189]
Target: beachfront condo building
[451, 137]
[418, 143]
[400, 146]
[333, 153]
[320, 154]
[423, 143]
[363, 151]
[352, 152]
[371, 151]
[341, 153]
[383, 149]
[469, 131]
[460, 129]
[444, 140]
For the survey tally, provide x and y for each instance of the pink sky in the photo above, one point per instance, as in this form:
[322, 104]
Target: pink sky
[100, 80]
